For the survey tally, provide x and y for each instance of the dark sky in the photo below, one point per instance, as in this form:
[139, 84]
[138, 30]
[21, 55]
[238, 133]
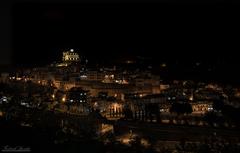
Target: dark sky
[179, 34]
[165, 31]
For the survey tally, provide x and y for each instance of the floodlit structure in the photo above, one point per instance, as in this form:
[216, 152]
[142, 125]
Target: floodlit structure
[70, 56]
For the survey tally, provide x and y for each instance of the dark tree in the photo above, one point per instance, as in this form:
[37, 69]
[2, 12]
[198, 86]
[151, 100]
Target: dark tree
[188, 108]
[152, 110]
[127, 112]
[181, 108]
[218, 105]
[211, 118]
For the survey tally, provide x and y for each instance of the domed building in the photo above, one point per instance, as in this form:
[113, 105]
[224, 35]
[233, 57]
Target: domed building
[70, 56]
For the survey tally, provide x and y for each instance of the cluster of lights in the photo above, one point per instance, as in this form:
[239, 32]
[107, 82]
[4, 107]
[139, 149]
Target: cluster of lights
[4, 99]
[62, 64]
[109, 76]
[121, 81]
[25, 104]
[81, 101]
[83, 76]
[171, 98]
[19, 78]
[116, 106]
[162, 110]
[210, 108]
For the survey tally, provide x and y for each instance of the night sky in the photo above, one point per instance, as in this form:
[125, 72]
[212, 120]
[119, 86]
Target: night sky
[166, 32]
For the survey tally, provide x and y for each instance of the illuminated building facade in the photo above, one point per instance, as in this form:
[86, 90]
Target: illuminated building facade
[70, 56]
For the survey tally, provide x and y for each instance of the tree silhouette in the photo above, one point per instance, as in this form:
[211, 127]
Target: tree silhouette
[127, 112]
[211, 118]
[218, 105]
[152, 110]
[181, 108]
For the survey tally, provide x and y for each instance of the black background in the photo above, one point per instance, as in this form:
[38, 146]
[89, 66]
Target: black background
[179, 33]
[205, 31]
